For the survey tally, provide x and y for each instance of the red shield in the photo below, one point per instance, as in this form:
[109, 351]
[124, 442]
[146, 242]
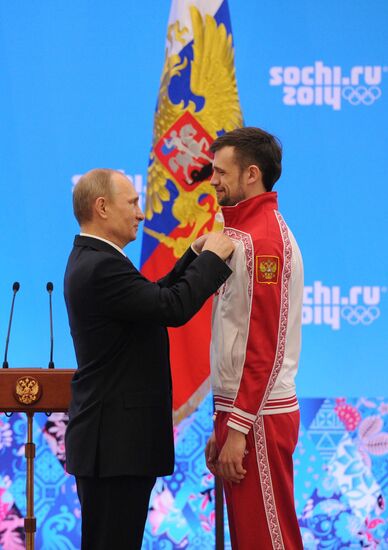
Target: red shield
[184, 151]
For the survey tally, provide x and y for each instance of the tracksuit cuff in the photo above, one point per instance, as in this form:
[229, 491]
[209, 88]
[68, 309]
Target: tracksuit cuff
[241, 420]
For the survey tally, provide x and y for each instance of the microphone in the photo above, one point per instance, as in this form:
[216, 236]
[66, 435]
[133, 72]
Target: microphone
[50, 288]
[15, 288]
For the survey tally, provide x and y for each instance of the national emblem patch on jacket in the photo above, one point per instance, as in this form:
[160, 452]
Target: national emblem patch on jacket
[267, 269]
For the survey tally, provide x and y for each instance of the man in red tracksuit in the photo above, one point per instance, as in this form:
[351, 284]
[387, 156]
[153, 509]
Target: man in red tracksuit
[256, 336]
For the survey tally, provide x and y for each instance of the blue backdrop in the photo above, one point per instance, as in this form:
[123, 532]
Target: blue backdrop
[78, 86]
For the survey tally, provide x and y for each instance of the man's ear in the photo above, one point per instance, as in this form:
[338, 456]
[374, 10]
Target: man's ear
[100, 207]
[254, 174]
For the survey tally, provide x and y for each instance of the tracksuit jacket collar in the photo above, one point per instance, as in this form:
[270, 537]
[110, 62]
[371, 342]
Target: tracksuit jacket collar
[244, 211]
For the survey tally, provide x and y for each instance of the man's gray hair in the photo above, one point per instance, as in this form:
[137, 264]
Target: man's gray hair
[95, 183]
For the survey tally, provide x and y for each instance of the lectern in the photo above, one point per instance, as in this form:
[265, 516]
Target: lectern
[31, 391]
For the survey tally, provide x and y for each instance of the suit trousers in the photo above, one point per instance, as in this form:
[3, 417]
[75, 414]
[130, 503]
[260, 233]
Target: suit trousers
[114, 511]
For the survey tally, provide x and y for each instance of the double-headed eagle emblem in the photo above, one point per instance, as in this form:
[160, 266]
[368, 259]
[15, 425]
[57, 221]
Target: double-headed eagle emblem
[267, 269]
[27, 390]
[184, 130]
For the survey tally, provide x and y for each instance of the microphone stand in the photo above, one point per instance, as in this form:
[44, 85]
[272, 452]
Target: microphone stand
[50, 288]
[15, 288]
[29, 451]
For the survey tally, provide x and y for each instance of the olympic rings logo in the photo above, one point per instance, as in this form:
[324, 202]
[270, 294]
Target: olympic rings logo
[360, 314]
[361, 94]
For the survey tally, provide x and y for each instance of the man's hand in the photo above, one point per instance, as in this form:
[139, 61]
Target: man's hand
[197, 245]
[220, 244]
[211, 454]
[229, 463]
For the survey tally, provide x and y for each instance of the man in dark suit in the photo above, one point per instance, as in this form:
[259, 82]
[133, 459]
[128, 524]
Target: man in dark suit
[120, 436]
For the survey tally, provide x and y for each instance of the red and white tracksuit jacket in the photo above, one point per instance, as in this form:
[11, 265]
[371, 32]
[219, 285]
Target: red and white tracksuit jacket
[255, 346]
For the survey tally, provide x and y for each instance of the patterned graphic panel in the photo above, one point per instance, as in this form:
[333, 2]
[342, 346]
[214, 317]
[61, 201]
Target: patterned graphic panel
[341, 481]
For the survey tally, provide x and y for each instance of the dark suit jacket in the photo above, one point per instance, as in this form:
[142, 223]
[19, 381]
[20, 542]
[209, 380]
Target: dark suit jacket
[121, 411]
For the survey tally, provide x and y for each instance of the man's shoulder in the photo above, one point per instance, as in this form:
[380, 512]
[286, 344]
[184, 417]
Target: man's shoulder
[88, 263]
[270, 227]
[86, 256]
[269, 239]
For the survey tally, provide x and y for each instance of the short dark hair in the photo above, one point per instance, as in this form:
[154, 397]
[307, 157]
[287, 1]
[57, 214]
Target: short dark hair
[254, 146]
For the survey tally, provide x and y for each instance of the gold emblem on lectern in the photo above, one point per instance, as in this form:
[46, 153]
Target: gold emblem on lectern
[27, 390]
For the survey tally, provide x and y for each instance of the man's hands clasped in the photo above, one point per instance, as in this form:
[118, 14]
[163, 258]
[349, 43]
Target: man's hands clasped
[229, 463]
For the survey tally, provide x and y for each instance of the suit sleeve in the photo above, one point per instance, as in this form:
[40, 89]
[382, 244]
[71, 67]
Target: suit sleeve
[178, 269]
[268, 318]
[125, 294]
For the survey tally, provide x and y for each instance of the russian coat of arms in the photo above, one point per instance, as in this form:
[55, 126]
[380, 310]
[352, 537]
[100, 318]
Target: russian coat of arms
[184, 151]
[267, 269]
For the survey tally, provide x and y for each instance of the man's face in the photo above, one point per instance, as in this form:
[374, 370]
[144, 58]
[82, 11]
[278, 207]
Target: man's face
[123, 211]
[227, 179]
